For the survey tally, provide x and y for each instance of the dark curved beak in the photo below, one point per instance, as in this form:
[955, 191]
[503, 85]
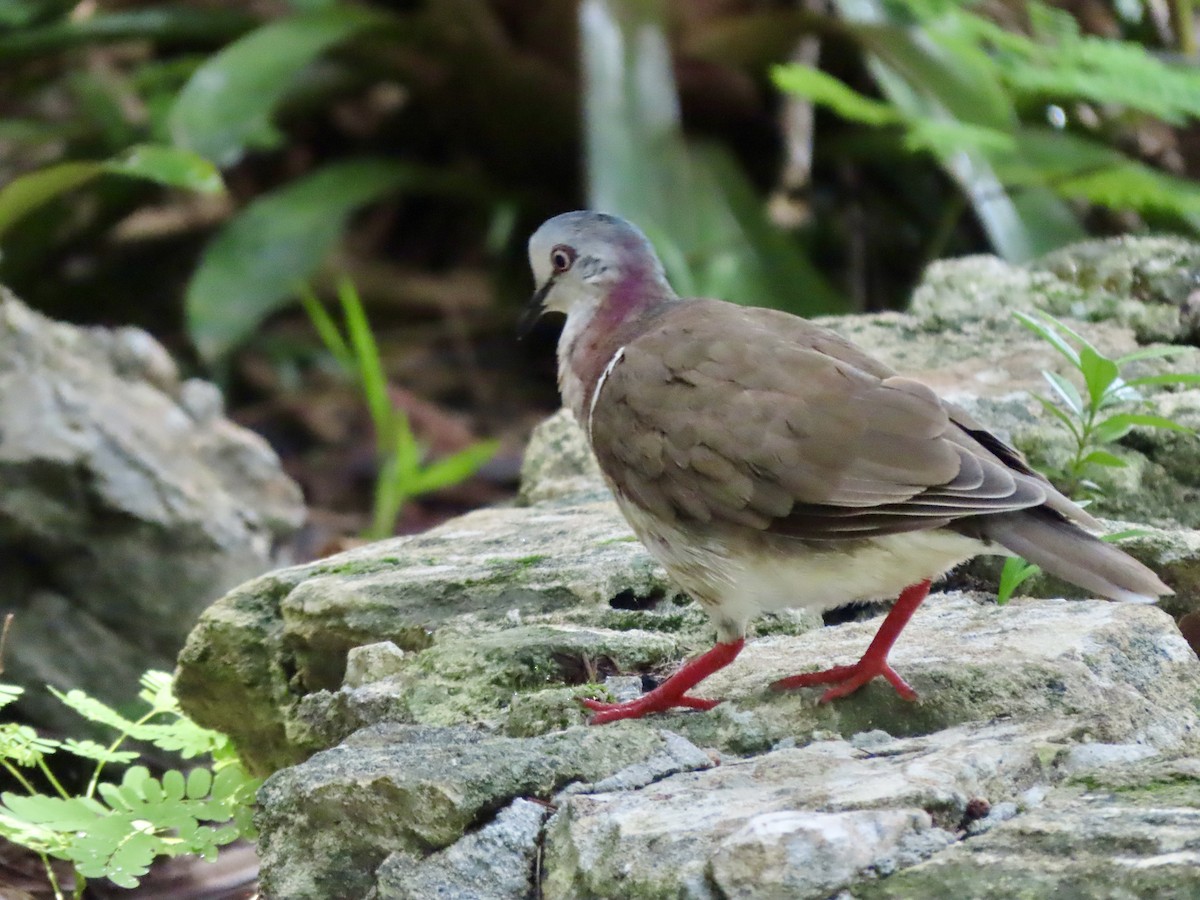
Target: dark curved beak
[533, 312]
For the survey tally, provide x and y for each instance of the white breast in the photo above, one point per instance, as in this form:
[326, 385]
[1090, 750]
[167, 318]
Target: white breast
[744, 574]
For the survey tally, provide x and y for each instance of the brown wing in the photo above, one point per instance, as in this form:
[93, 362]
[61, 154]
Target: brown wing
[721, 413]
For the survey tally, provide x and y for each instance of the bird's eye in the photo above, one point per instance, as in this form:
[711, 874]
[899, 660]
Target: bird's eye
[562, 258]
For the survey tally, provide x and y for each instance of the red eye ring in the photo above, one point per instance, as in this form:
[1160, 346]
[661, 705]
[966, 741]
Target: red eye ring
[562, 258]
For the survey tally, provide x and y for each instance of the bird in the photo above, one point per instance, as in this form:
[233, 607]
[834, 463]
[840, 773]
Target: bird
[767, 462]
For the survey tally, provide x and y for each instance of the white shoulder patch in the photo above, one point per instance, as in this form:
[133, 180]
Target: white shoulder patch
[612, 364]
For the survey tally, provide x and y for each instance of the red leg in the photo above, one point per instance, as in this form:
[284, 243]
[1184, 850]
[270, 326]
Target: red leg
[848, 679]
[672, 691]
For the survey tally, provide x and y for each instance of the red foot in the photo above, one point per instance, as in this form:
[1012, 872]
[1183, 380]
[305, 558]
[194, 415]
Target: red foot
[848, 679]
[673, 691]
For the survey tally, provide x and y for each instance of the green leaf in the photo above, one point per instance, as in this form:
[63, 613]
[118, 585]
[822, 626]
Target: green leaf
[169, 166]
[327, 329]
[164, 165]
[252, 267]
[939, 72]
[1169, 378]
[371, 376]
[1103, 458]
[1122, 535]
[98, 752]
[455, 468]
[692, 199]
[226, 106]
[199, 783]
[160, 22]
[1066, 391]
[1015, 572]
[1099, 373]
[1120, 424]
[1046, 331]
[24, 194]
[9, 693]
[829, 91]
[1049, 406]
[1158, 352]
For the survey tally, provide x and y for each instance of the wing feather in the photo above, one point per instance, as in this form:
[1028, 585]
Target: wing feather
[790, 429]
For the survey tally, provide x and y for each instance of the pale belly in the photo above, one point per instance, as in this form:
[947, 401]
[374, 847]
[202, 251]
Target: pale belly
[738, 578]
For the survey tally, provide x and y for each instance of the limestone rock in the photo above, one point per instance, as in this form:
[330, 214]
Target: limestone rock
[497, 862]
[128, 503]
[1042, 724]
[330, 822]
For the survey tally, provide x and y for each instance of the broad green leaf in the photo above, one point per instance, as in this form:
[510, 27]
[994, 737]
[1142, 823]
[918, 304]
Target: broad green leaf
[1104, 458]
[253, 266]
[164, 165]
[24, 194]
[1099, 373]
[226, 106]
[170, 166]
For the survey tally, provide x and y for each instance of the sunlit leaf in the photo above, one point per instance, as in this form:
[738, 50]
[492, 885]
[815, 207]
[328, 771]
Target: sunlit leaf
[227, 104]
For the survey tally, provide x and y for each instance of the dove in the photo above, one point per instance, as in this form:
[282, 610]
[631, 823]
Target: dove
[767, 463]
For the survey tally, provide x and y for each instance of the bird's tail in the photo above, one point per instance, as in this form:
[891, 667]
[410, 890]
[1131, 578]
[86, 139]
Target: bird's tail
[1063, 549]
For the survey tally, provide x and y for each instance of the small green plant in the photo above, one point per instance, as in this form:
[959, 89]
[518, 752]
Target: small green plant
[1108, 408]
[115, 830]
[402, 472]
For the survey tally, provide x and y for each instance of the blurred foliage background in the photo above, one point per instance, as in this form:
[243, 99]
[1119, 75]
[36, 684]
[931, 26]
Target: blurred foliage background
[194, 167]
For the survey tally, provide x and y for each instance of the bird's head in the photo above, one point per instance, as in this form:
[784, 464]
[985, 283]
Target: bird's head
[579, 258]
